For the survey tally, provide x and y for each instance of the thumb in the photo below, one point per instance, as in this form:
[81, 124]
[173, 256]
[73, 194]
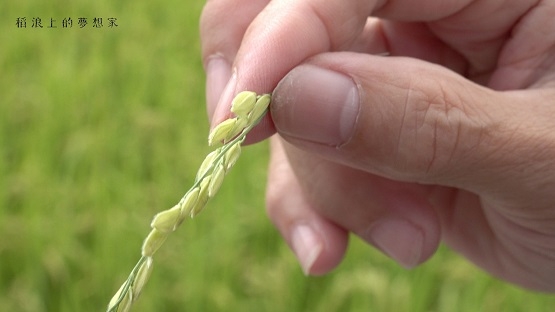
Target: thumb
[405, 119]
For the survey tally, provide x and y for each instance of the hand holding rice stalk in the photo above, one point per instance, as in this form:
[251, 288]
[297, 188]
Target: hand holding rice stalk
[249, 108]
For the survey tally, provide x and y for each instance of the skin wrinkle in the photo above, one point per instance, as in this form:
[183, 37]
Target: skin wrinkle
[442, 118]
[403, 120]
[433, 157]
[538, 144]
[504, 162]
[543, 163]
[433, 107]
[530, 225]
[436, 110]
[449, 113]
[457, 108]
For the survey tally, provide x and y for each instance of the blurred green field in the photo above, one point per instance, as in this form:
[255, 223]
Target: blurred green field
[102, 128]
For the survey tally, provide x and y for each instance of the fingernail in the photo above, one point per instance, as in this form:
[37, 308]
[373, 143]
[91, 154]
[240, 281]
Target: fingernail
[218, 72]
[306, 245]
[399, 239]
[317, 105]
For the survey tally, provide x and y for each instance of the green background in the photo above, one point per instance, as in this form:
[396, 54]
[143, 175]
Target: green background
[102, 128]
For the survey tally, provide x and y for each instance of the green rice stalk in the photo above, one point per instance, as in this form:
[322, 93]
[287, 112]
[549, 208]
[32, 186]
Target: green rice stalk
[249, 109]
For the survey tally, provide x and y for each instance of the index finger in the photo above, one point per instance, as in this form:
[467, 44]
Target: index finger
[283, 35]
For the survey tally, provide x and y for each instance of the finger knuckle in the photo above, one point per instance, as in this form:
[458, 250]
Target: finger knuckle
[439, 127]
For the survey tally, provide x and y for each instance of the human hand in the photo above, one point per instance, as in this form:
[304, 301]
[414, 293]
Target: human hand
[452, 142]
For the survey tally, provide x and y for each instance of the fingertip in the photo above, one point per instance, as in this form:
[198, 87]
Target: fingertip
[399, 239]
[409, 232]
[325, 249]
[307, 246]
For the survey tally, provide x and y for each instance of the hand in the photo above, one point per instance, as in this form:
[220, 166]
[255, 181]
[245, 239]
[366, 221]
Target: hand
[450, 138]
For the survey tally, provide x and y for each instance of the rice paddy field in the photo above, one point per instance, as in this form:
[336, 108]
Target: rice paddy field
[102, 127]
